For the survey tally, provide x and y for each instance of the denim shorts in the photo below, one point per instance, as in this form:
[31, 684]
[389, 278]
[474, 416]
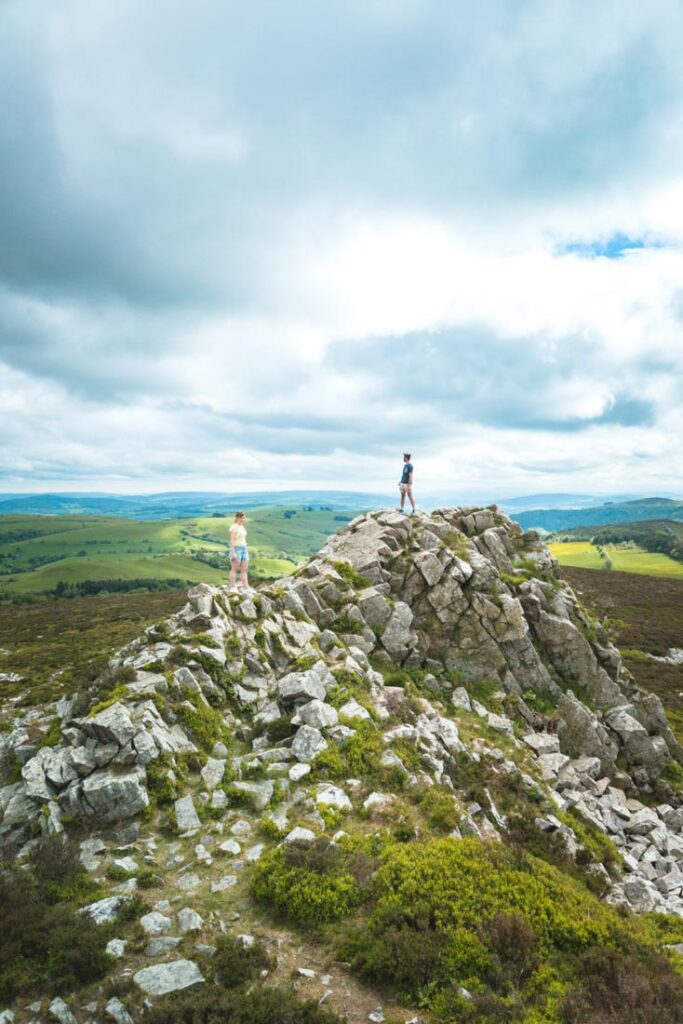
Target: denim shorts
[241, 554]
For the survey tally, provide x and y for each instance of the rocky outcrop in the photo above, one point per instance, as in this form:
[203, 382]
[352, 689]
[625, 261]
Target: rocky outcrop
[463, 600]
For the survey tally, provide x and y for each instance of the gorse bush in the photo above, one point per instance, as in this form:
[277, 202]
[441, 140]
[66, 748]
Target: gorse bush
[510, 928]
[307, 882]
[439, 809]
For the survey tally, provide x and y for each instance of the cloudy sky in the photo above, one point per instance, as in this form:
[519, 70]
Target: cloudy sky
[272, 243]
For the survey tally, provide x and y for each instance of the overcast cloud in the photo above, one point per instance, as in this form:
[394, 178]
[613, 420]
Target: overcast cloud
[244, 245]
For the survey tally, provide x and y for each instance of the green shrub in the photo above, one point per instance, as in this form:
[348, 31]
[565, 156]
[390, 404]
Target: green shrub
[57, 871]
[439, 809]
[618, 988]
[162, 790]
[234, 963]
[447, 911]
[600, 849]
[307, 883]
[514, 581]
[356, 757]
[260, 1005]
[45, 946]
[148, 879]
[673, 775]
[269, 829]
[53, 734]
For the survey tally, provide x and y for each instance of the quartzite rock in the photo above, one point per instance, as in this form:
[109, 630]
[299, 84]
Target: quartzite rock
[172, 977]
[307, 743]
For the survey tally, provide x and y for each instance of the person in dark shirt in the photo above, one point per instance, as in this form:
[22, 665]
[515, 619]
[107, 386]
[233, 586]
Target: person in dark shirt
[406, 482]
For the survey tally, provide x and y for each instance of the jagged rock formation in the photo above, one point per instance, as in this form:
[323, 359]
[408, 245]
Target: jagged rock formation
[458, 598]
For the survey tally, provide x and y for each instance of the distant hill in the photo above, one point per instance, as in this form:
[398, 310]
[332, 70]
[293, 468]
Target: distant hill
[611, 512]
[559, 500]
[180, 504]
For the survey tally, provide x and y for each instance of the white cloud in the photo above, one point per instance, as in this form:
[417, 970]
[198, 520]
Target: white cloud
[287, 241]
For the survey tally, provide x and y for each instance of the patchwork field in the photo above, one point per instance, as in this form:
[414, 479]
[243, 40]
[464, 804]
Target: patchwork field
[619, 557]
[37, 552]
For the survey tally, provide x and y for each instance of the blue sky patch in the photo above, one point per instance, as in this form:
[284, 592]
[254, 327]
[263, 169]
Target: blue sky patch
[613, 248]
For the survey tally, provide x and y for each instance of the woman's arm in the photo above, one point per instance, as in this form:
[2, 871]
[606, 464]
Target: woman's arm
[232, 541]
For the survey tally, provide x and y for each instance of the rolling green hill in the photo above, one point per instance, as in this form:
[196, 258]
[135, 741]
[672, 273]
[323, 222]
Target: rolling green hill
[556, 519]
[654, 547]
[621, 557]
[178, 504]
[661, 535]
[37, 552]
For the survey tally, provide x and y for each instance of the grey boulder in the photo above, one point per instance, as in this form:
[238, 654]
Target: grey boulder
[172, 977]
[307, 743]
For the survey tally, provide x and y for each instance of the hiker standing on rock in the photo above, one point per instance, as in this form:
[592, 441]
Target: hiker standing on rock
[239, 555]
[406, 482]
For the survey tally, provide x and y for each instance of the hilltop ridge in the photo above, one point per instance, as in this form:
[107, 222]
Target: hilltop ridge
[420, 676]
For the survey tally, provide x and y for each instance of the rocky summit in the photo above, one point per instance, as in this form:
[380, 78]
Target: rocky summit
[432, 654]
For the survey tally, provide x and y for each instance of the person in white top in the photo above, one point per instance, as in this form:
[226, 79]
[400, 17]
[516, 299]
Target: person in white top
[239, 554]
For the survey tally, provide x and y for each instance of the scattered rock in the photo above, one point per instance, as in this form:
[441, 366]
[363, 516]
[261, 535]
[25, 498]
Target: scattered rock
[317, 714]
[213, 772]
[187, 819]
[543, 742]
[61, 1012]
[224, 883]
[117, 1011]
[162, 944]
[160, 979]
[260, 793]
[155, 923]
[104, 911]
[189, 921]
[332, 796]
[116, 948]
[307, 743]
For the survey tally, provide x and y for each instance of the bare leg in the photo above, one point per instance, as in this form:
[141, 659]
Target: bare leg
[244, 568]
[403, 498]
[233, 572]
[409, 491]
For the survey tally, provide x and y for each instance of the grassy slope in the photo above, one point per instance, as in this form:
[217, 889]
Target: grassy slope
[56, 645]
[645, 614]
[584, 555]
[75, 548]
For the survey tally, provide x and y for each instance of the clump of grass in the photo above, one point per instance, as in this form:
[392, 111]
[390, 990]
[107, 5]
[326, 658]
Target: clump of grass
[206, 724]
[351, 575]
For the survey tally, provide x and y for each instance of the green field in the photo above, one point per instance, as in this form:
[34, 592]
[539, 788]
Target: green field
[37, 552]
[623, 558]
